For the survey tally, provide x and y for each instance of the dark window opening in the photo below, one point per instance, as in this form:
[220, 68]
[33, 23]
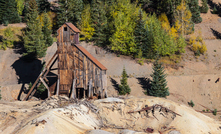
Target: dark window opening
[65, 29]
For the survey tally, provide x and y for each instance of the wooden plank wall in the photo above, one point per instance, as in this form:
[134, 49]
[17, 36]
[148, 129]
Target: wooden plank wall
[72, 63]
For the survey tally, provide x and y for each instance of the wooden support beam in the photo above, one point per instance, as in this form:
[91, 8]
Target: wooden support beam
[73, 92]
[58, 84]
[49, 69]
[42, 73]
[90, 90]
[49, 94]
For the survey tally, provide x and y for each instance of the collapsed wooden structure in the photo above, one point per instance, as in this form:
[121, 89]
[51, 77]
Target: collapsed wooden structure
[77, 68]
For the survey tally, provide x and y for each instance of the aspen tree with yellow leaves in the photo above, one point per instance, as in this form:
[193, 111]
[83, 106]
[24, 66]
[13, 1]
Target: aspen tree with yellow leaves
[183, 22]
[87, 30]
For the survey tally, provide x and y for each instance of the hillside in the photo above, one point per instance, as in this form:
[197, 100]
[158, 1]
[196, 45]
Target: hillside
[194, 78]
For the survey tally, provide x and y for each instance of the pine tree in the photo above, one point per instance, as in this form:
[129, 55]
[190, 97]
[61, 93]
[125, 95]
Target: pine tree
[62, 13]
[9, 13]
[141, 36]
[204, 8]
[46, 30]
[124, 87]
[34, 42]
[69, 11]
[195, 11]
[43, 6]
[99, 21]
[158, 85]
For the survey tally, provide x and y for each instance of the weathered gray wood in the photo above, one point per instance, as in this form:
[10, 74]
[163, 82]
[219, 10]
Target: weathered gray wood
[58, 84]
[33, 86]
[73, 92]
[101, 86]
[90, 90]
[49, 94]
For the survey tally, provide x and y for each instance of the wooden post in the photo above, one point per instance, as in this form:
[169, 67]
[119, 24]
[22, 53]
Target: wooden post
[90, 91]
[49, 94]
[73, 92]
[58, 84]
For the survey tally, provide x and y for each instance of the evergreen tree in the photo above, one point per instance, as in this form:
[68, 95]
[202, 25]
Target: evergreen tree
[194, 8]
[69, 11]
[34, 42]
[158, 85]
[141, 36]
[9, 13]
[204, 8]
[62, 13]
[43, 6]
[46, 30]
[99, 21]
[124, 87]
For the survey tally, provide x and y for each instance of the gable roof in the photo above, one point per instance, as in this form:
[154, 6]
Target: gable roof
[72, 27]
[94, 60]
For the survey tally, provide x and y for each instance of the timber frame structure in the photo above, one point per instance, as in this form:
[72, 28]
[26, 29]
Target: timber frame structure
[77, 68]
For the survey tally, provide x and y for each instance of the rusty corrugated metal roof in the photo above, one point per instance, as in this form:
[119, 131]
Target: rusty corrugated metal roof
[94, 60]
[72, 27]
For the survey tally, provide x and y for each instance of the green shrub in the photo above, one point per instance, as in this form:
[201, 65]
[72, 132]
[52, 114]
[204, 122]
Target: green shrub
[204, 8]
[8, 38]
[214, 10]
[215, 112]
[191, 103]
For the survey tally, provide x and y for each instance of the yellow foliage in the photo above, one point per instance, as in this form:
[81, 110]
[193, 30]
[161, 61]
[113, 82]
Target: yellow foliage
[173, 32]
[203, 49]
[86, 29]
[192, 40]
[164, 22]
[183, 19]
[166, 25]
[196, 46]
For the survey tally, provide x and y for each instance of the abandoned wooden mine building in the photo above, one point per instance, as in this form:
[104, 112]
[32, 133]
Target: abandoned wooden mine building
[79, 73]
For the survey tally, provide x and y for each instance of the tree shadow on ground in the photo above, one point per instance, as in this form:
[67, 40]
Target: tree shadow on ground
[115, 84]
[19, 46]
[27, 72]
[145, 83]
[213, 4]
[216, 33]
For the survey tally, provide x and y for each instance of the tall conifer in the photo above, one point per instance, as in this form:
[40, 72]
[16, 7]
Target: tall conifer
[69, 11]
[99, 20]
[141, 36]
[158, 86]
[46, 30]
[34, 42]
[8, 12]
[194, 8]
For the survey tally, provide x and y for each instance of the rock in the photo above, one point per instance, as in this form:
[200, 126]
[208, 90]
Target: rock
[126, 131]
[84, 108]
[98, 132]
[174, 132]
[110, 100]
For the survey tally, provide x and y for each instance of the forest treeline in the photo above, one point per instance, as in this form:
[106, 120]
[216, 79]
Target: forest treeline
[140, 28]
